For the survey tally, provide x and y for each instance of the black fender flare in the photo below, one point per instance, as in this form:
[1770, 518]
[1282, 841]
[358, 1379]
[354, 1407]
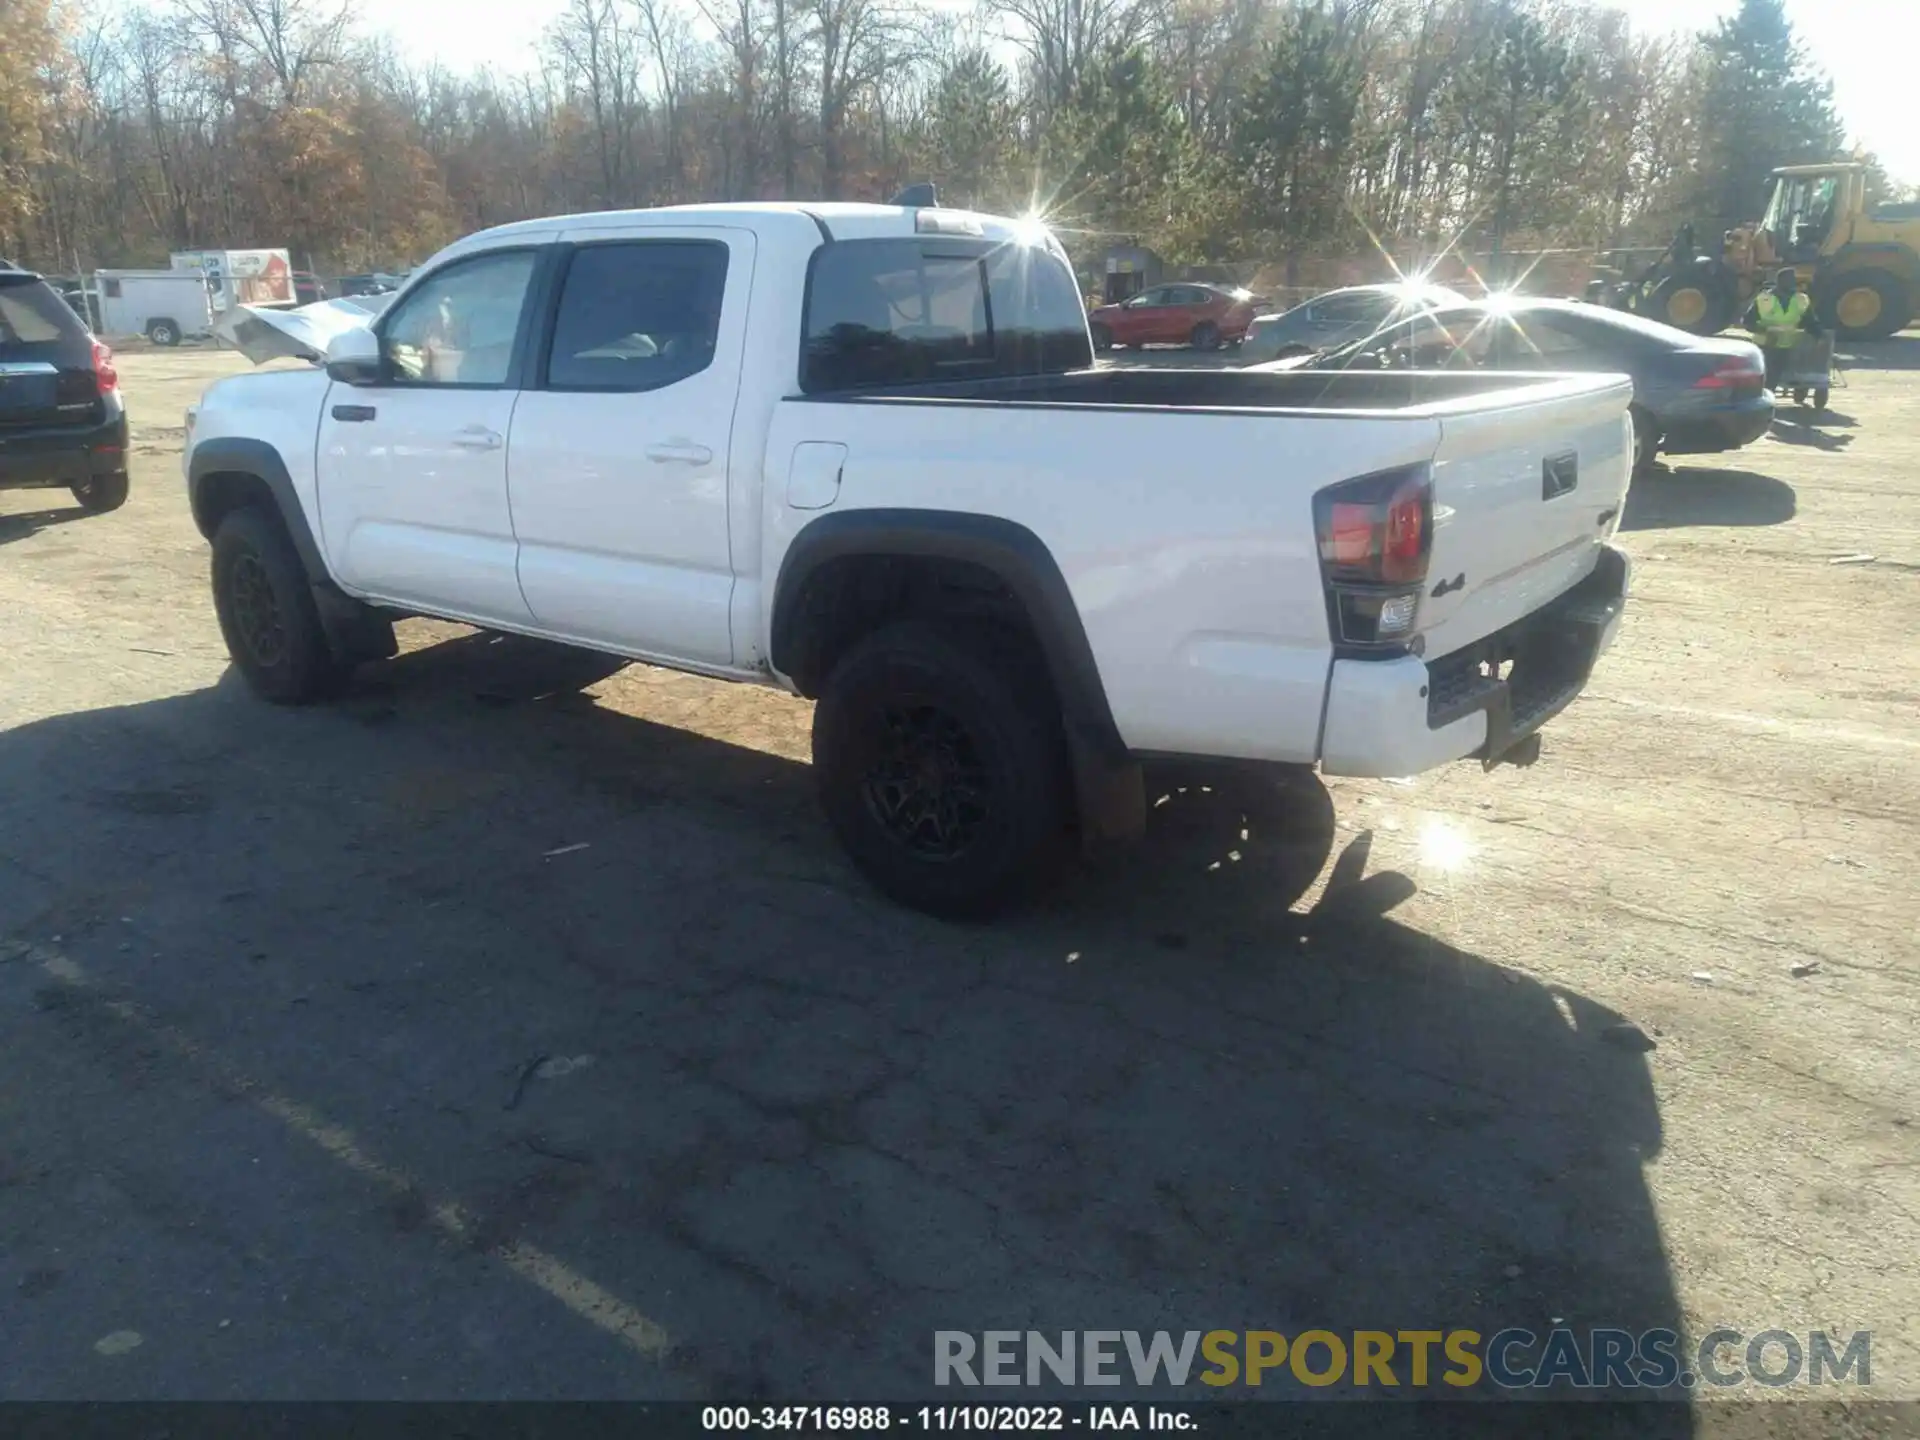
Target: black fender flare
[355, 630]
[238, 455]
[1107, 777]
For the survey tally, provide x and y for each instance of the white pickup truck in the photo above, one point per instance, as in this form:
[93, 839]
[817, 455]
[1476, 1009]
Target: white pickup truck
[861, 452]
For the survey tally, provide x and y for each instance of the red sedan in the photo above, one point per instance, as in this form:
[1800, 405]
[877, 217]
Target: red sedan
[1203, 316]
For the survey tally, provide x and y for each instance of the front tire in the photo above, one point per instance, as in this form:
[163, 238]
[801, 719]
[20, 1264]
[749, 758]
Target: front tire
[1693, 303]
[1102, 338]
[940, 763]
[100, 493]
[264, 601]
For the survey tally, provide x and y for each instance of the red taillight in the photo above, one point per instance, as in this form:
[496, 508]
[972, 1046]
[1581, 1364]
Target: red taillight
[1731, 374]
[105, 378]
[1376, 530]
[1376, 537]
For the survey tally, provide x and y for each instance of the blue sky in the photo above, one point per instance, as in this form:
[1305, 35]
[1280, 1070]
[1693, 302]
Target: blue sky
[1864, 45]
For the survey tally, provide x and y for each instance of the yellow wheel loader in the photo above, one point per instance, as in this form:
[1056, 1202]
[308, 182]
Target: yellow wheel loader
[1860, 263]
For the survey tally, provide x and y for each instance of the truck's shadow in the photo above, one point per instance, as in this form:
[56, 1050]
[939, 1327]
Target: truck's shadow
[820, 1128]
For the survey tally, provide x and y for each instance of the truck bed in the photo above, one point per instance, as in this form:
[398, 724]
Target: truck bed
[1189, 545]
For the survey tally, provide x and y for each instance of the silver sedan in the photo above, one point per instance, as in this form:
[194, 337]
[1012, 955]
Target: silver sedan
[1340, 317]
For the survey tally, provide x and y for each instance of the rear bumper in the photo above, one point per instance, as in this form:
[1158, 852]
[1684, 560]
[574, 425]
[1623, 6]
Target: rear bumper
[1485, 701]
[1713, 431]
[55, 458]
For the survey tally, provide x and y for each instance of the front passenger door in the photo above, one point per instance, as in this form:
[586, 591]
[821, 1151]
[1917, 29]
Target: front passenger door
[413, 467]
[1146, 314]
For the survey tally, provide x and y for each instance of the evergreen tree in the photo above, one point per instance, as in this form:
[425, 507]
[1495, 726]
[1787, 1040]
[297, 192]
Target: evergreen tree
[970, 130]
[1297, 131]
[1764, 106]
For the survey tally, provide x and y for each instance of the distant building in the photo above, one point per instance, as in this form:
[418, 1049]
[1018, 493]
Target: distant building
[1128, 269]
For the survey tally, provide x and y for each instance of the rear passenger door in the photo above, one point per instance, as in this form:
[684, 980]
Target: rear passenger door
[617, 462]
[1343, 318]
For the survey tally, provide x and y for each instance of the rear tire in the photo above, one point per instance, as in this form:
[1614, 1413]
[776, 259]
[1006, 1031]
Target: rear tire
[101, 493]
[1646, 442]
[1206, 336]
[264, 601]
[940, 763]
[1102, 338]
[1820, 398]
[1867, 305]
[163, 332]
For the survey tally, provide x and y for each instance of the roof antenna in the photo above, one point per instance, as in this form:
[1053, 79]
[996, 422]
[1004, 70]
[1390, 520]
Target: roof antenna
[917, 197]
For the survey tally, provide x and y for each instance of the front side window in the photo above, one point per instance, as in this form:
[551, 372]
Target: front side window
[894, 312]
[638, 315]
[459, 326]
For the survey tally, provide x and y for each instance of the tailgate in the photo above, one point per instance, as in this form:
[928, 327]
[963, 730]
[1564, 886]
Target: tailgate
[1524, 496]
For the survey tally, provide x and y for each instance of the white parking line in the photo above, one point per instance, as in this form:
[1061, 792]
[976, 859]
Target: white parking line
[590, 1302]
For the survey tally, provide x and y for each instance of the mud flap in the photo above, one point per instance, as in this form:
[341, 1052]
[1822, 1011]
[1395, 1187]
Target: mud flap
[355, 632]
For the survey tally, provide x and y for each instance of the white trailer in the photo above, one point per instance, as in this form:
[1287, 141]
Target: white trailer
[262, 279]
[166, 306]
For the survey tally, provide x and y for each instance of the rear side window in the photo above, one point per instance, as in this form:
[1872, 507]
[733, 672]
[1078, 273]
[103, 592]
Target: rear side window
[637, 315]
[1353, 309]
[35, 322]
[900, 312]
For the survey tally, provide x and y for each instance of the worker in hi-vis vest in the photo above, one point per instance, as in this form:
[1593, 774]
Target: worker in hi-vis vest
[1778, 318]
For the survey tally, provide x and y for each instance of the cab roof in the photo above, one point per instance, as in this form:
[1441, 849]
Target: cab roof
[846, 220]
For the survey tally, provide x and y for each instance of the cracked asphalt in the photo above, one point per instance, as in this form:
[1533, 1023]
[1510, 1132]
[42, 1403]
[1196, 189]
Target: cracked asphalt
[511, 1029]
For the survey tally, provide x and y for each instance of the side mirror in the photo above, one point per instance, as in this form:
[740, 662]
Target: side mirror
[353, 357]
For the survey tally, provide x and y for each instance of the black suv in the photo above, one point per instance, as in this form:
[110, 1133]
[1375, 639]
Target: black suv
[62, 425]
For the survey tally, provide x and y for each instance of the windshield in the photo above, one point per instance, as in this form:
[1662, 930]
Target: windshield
[1797, 198]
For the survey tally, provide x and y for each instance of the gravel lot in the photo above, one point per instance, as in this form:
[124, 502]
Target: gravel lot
[512, 1028]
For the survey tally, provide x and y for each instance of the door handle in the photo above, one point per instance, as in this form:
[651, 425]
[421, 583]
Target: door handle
[353, 414]
[477, 437]
[679, 452]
